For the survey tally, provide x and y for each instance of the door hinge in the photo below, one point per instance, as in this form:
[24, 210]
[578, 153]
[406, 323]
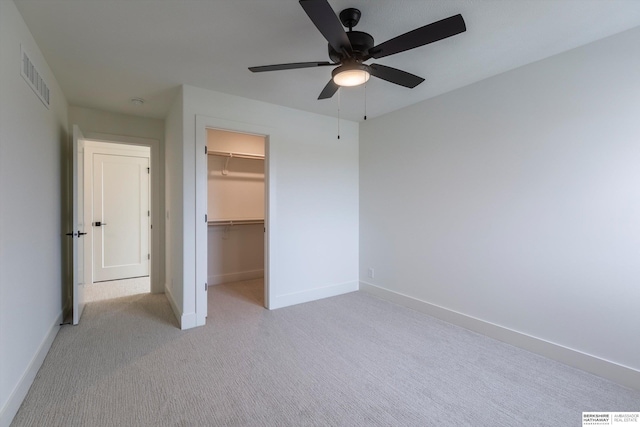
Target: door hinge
[206, 150]
[206, 287]
[148, 256]
[205, 218]
[148, 213]
[148, 170]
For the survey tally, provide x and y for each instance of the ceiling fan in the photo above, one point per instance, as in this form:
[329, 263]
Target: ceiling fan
[349, 50]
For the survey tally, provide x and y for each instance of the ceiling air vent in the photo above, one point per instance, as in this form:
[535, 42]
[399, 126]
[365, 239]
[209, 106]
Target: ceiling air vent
[32, 76]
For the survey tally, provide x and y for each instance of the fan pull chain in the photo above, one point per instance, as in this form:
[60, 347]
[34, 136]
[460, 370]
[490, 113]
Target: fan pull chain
[338, 114]
[365, 100]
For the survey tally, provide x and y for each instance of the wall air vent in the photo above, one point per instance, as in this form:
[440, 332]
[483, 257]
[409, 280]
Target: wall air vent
[33, 78]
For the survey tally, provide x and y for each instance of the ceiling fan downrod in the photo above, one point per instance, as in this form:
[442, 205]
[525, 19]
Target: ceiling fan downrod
[350, 17]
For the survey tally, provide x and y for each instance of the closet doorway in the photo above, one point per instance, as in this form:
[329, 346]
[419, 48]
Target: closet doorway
[236, 212]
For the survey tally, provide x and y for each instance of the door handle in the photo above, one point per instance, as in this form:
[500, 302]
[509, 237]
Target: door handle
[99, 224]
[78, 234]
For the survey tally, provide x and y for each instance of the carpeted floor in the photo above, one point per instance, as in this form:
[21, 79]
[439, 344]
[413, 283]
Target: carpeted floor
[351, 360]
[100, 291]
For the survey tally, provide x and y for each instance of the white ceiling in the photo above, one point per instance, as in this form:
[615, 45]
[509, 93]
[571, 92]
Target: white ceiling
[104, 52]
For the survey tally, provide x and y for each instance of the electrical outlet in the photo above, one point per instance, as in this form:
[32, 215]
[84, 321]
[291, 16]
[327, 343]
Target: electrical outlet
[371, 273]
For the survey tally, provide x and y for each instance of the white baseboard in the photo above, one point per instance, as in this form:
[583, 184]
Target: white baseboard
[172, 302]
[10, 408]
[620, 374]
[156, 287]
[279, 301]
[186, 320]
[235, 277]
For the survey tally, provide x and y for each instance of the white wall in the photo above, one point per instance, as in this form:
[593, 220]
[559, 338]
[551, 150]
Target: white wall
[516, 200]
[33, 149]
[91, 120]
[312, 192]
[238, 194]
[234, 253]
[174, 214]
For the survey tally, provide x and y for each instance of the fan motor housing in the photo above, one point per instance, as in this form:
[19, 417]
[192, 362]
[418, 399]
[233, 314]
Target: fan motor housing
[360, 42]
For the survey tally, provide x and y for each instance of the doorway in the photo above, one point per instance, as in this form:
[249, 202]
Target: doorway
[203, 125]
[236, 210]
[117, 190]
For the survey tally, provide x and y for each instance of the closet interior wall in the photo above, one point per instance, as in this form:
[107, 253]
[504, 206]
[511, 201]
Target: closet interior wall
[235, 202]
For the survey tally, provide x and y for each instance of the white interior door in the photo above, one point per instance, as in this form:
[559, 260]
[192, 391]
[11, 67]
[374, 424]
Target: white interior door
[78, 231]
[121, 217]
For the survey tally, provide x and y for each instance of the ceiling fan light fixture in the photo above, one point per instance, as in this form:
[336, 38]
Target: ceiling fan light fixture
[351, 75]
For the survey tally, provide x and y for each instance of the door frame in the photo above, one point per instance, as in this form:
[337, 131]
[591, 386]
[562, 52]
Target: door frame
[156, 233]
[202, 124]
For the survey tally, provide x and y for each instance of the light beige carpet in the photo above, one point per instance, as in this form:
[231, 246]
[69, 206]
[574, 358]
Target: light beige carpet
[351, 360]
[101, 291]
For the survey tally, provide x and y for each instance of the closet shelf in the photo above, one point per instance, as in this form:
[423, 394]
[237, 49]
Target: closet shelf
[237, 155]
[236, 221]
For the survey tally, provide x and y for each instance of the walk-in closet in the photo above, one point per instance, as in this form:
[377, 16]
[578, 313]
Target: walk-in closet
[236, 211]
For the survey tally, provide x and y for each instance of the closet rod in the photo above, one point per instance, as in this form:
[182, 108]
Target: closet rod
[237, 222]
[238, 155]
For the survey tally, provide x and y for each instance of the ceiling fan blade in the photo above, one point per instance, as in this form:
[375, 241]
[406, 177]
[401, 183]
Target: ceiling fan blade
[325, 19]
[290, 66]
[421, 36]
[394, 75]
[329, 90]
